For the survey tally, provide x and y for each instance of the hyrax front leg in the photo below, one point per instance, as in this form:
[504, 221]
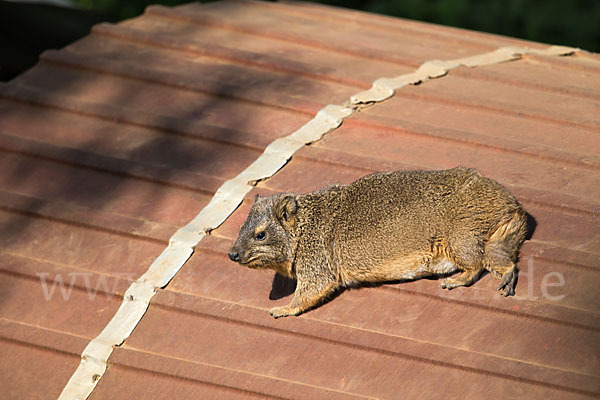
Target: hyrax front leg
[308, 294]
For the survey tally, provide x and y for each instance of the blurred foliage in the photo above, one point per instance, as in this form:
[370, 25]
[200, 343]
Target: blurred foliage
[26, 29]
[573, 22]
[122, 9]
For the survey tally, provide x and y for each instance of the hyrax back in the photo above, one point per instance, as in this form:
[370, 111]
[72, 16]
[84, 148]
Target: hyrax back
[385, 227]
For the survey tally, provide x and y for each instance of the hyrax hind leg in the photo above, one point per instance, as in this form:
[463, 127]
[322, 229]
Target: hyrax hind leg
[508, 278]
[466, 251]
[501, 251]
[498, 259]
[467, 278]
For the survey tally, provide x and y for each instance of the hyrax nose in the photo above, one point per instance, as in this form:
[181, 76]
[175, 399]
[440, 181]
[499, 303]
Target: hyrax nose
[234, 256]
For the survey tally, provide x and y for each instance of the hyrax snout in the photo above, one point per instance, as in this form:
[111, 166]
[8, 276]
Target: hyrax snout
[400, 225]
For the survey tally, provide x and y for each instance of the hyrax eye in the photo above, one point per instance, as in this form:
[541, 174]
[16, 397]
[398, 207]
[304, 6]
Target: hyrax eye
[262, 235]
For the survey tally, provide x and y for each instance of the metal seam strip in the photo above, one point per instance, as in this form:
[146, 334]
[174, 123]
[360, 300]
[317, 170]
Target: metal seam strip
[230, 195]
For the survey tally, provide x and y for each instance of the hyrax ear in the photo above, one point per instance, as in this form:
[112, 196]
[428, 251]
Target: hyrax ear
[285, 208]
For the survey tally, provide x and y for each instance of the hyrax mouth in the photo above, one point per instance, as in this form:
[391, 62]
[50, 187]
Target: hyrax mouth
[253, 264]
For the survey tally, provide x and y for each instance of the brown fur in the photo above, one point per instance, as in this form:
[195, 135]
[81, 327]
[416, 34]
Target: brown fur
[385, 227]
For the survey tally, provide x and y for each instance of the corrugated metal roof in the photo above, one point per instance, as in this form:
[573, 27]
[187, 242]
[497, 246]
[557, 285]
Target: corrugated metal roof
[111, 144]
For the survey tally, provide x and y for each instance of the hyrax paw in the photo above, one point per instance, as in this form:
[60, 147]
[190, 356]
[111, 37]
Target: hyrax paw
[506, 290]
[285, 311]
[450, 284]
[507, 285]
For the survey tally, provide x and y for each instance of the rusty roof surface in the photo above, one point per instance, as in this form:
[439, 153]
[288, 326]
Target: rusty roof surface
[111, 144]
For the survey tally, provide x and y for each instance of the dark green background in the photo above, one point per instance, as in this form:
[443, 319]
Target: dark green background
[27, 29]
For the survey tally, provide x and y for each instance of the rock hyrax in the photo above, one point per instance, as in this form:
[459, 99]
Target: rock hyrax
[391, 226]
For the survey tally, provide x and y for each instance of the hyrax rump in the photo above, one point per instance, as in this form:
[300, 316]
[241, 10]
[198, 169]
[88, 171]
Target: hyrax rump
[385, 227]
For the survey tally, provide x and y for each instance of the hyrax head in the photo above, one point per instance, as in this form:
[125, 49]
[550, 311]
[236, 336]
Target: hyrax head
[265, 240]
